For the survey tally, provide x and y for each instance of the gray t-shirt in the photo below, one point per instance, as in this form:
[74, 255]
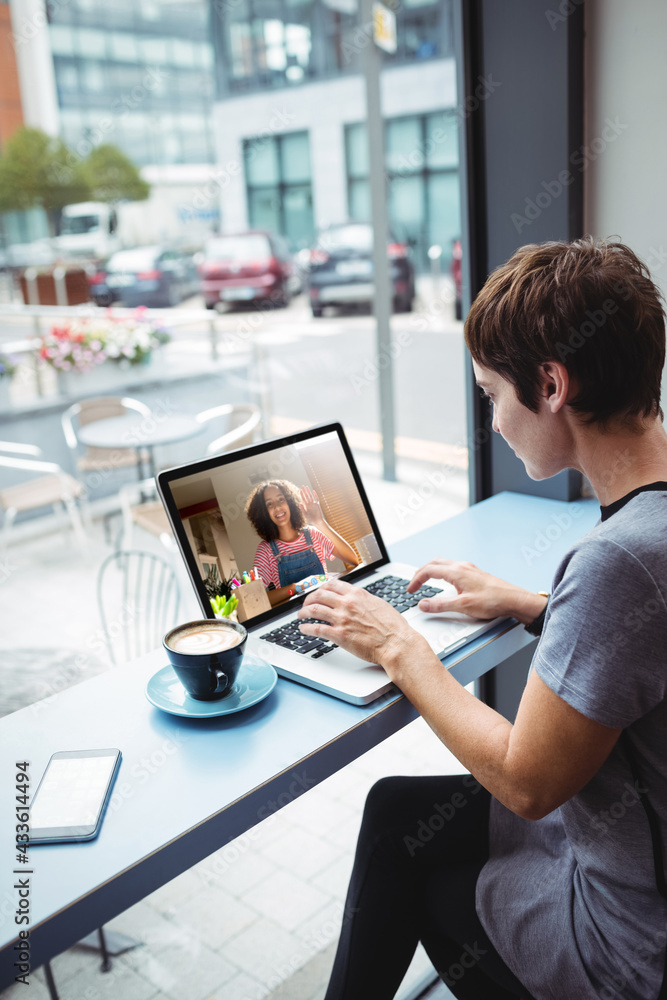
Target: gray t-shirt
[570, 901]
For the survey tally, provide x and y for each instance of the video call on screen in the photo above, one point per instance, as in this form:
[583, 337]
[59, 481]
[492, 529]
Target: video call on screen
[295, 488]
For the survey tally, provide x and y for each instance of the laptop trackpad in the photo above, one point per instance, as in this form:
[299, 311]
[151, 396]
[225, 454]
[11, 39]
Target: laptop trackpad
[440, 631]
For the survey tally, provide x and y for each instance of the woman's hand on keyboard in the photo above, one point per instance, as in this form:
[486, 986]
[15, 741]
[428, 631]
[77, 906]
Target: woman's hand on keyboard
[358, 621]
[478, 593]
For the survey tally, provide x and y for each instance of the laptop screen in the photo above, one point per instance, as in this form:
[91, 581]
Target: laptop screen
[268, 523]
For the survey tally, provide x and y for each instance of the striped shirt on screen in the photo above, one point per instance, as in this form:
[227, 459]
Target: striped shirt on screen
[267, 564]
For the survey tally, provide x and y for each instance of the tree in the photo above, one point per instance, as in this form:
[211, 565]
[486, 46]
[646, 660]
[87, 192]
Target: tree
[37, 169]
[111, 176]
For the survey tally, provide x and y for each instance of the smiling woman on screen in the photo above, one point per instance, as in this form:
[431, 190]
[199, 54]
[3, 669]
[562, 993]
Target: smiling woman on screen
[297, 541]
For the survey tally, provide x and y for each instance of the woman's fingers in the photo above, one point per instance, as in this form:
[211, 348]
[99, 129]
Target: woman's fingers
[438, 569]
[437, 603]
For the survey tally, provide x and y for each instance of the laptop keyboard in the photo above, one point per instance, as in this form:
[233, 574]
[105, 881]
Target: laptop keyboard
[392, 589]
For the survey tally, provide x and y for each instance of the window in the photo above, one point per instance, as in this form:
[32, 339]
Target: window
[278, 179]
[422, 168]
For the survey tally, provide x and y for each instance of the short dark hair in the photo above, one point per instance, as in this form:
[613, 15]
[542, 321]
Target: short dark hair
[590, 304]
[258, 515]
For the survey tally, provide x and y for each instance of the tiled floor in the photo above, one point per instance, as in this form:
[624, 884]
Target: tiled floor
[260, 917]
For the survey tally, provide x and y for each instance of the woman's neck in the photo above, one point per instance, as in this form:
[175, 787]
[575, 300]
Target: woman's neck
[286, 533]
[620, 461]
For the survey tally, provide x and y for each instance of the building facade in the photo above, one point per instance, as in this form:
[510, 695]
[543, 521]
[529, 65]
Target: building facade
[135, 73]
[290, 119]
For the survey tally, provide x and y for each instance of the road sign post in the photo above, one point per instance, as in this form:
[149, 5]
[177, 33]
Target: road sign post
[370, 17]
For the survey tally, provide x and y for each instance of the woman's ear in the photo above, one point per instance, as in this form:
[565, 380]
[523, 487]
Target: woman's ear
[555, 384]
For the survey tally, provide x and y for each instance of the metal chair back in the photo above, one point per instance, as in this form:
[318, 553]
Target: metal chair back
[100, 408]
[138, 598]
[243, 419]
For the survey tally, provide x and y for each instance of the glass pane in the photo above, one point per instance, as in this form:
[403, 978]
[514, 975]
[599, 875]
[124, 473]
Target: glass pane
[444, 212]
[295, 150]
[442, 140]
[264, 210]
[405, 148]
[298, 216]
[359, 195]
[67, 75]
[184, 53]
[123, 46]
[261, 161]
[91, 44]
[156, 50]
[240, 44]
[406, 208]
[62, 40]
[357, 151]
[93, 77]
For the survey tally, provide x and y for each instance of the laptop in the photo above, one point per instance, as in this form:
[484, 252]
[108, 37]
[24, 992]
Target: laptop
[219, 541]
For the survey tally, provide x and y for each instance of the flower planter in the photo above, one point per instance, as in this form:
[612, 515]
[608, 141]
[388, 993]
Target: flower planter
[103, 355]
[108, 379]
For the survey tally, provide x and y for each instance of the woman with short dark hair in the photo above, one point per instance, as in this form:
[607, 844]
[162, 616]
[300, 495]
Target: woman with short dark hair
[541, 873]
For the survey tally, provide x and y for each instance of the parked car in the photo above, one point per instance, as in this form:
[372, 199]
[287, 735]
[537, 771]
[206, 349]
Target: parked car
[340, 270]
[253, 267]
[455, 270]
[145, 276]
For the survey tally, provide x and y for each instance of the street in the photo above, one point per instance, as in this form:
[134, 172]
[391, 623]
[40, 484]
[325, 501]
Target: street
[315, 370]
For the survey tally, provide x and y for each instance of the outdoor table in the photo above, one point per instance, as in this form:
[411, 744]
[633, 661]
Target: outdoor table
[211, 780]
[134, 431]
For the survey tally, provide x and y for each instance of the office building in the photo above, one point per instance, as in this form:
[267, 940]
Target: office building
[290, 119]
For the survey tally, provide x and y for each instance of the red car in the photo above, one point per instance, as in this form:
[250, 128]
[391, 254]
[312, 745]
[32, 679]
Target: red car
[254, 267]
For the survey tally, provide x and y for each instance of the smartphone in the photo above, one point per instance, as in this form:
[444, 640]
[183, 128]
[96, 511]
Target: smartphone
[71, 798]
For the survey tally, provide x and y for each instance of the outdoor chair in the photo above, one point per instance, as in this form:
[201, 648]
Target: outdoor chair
[140, 505]
[101, 408]
[138, 598]
[54, 488]
[243, 420]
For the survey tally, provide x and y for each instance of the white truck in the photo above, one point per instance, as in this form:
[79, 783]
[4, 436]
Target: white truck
[89, 229]
[96, 230]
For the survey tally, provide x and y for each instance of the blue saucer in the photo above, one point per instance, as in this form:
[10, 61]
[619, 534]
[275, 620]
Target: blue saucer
[255, 681]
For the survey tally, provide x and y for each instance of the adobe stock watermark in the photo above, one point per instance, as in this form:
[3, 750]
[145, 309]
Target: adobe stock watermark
[579, 159]
[222, 176]
[470, 956]
[643, 954]
[372, 367]
[443, 813]
[636, 618]
[96, 642]
[314, 942]
[278, 464]
[564, 10]
[404, 166]
[595, 320]
[420, 495]
[31, 26]
[547, 536]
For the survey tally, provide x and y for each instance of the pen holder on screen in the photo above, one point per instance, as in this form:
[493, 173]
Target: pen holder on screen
[253, 599]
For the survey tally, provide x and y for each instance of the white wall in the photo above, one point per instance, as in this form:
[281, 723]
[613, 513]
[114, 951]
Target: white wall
[625, 192]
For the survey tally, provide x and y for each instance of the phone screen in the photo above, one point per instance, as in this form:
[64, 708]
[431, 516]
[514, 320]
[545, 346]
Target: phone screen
[72, 794]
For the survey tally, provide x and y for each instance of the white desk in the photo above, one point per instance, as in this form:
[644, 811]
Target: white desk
[185, 787]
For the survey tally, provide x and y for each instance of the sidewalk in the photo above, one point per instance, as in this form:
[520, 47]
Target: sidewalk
[260, 917]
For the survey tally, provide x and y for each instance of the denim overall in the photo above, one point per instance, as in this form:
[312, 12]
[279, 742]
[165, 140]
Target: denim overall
[298, 565]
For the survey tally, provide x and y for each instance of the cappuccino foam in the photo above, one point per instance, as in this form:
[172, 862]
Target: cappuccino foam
[204, 639]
